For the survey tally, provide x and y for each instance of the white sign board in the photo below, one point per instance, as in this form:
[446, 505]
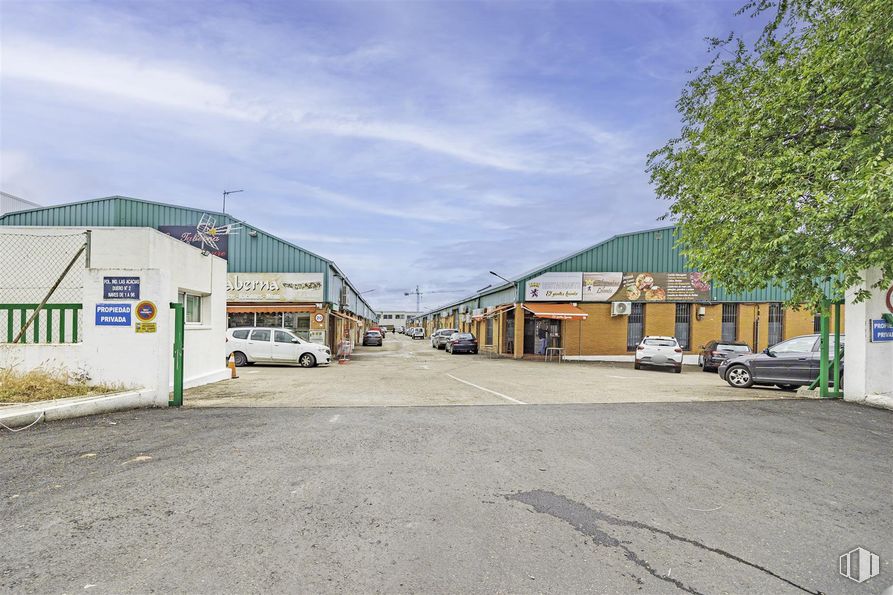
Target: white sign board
[599, 287]
[554, 287]
[274, 287]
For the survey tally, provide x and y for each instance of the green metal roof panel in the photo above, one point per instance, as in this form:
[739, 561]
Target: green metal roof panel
[262, 253]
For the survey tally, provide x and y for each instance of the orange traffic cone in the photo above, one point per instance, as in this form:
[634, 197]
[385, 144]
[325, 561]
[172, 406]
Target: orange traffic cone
[231, 364]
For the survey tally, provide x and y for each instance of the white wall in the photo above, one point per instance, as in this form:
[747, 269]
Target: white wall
[10, 203]
[119, 355]
[868, 370]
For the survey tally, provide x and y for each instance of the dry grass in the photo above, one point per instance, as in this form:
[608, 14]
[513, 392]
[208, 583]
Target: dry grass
[44, 385]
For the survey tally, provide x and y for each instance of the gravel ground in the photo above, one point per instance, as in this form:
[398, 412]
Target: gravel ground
[404, 372]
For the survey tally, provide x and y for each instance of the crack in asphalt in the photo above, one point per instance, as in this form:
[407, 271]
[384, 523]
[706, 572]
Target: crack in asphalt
[585, 520]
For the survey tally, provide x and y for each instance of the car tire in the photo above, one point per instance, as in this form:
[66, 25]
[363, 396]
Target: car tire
[307, 360]
[739, 377]
[240, 359]
[678, 370]
[787, 387]
[637, 366]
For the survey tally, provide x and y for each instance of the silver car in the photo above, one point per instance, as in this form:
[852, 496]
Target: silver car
[440, 337]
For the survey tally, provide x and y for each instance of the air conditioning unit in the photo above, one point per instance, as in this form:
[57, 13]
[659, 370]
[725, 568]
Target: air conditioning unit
[621, 308]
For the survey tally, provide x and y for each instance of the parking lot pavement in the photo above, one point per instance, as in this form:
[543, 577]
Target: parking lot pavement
[720, 497]
[404, 372]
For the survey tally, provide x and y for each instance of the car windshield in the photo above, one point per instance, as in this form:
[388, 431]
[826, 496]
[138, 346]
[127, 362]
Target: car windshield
[465, 336]
[660, 342]
[730, 347]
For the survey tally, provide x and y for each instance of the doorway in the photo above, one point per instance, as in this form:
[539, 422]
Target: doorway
[540, 333]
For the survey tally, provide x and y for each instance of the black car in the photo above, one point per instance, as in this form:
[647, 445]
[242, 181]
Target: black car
[787, 365]
[715, 352]
[372, 338]
[461, 343]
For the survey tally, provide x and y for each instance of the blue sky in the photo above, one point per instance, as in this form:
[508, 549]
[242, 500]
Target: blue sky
[411, 142]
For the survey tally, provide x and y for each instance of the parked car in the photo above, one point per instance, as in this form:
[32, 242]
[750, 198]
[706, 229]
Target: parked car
[787, 365]
[379, 330]
[372, 337]
[398, 329]
[441, 336]
[462, 343]
[659, 351]
[417, 333]
[715, 352]
[250, 345]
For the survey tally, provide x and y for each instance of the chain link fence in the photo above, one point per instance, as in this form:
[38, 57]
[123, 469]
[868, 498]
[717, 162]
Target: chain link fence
[36, 266]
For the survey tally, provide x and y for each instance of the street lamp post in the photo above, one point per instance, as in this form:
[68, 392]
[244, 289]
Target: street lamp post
[225, 192]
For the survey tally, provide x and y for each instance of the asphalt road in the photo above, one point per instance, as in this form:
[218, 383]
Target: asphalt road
[722, 497]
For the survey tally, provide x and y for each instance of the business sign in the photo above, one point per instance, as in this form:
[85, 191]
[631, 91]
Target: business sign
[555, 287]
[204, 239]
[274, 287]
[645, 287]
[881, 331]
[113, 314]
[120, 288]
[318, 337]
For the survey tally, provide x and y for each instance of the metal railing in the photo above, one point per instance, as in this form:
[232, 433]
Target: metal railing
[56, 323]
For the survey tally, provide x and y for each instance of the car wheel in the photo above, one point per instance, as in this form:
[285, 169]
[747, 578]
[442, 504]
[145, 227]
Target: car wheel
[307, 360]
[707, 369]
[637, 366]
[739, 377]
[787, 387]
[678, 370]
[240, 359]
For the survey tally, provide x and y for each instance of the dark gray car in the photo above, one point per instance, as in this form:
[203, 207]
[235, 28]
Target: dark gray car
[787, 365]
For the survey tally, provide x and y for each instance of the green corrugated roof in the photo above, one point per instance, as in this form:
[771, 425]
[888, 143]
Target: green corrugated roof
[262, 253]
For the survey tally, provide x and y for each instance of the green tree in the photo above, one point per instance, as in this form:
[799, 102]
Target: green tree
[782, 169]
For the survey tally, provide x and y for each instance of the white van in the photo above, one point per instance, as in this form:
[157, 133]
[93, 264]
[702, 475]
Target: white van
[250, 345]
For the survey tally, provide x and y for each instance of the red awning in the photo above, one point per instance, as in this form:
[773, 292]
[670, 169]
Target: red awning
[556, 311]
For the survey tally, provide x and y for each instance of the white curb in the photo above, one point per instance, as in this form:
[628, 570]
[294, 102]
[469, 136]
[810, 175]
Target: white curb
[27, 413]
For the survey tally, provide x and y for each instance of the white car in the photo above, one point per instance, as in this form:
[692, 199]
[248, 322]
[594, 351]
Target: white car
[659, 351]
[416, 332]
[250, 345]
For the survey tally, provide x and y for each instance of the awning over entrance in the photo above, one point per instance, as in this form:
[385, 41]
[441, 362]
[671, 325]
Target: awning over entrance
[244, 309]
[494, 312]
[556, 311]
[345, 316]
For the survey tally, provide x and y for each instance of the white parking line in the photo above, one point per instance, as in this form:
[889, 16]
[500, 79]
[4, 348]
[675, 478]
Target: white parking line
[506, 397]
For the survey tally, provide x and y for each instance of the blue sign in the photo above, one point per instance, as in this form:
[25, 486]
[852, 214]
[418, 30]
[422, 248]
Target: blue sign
[881, 330]
[120, 288]
[113, 314]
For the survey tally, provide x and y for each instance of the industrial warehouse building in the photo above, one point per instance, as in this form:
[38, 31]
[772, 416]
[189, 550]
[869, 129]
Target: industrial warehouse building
[602, 300]
[270, 282]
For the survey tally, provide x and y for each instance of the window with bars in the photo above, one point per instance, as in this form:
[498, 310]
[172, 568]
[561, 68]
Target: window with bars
[489, 337]
[683, 326]
[776, 324]
[817, 323]
[635, 326]
[729, 322]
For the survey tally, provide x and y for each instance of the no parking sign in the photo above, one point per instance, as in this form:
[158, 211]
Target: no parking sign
[146, 312]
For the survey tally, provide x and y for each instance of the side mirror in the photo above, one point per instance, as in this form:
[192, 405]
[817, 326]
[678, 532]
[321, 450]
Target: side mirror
[295, 341]
[768, 352]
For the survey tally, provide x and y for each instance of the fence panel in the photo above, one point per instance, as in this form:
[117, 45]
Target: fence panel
[31, 263]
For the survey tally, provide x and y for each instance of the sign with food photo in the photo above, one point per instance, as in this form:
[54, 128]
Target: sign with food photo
[645, 287]
[663, 287]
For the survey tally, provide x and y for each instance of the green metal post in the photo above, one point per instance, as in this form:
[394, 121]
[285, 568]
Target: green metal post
[823, 351]
[837, 394]
[179, 326]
